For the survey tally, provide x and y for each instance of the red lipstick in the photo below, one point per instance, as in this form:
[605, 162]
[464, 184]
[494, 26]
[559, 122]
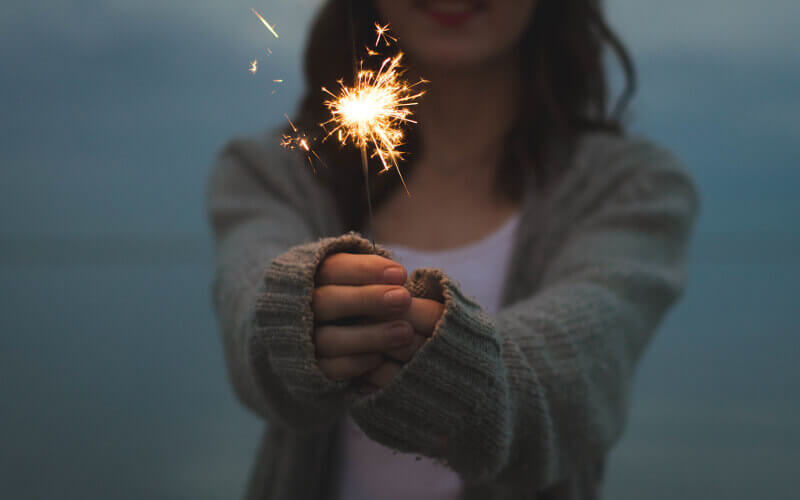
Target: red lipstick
[451, 13]
[451, 19]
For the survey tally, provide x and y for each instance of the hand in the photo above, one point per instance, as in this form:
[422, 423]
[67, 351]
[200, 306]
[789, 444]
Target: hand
[423, 314]
[356, 286]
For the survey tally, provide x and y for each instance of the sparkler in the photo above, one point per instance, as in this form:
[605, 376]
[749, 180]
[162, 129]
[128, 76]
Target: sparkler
[372, 113]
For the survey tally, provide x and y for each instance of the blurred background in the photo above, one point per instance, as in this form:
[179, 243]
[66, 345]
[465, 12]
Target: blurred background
[111, 374]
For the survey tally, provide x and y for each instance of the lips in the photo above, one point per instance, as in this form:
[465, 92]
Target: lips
[451, 12]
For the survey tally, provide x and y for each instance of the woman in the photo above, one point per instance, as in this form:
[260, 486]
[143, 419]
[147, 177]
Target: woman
[494, 331]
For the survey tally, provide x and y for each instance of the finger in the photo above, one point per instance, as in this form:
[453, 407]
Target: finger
[384, 373]
[332, 302]
[404, 354]
[347, 367]
[423, 314]
[359, 269]
[331, 340]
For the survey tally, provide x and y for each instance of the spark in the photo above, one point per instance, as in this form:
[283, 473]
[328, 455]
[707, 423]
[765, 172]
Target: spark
[381, 31]
[265, 23]
[373, 112]
[254, 66]
[277, 81]
[269, 51]
[299, 140]
[371, 52]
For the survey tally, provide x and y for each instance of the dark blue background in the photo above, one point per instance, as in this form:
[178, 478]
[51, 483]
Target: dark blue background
[111, 376]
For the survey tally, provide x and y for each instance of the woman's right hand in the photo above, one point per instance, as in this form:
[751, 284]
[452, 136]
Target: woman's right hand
[359, 286]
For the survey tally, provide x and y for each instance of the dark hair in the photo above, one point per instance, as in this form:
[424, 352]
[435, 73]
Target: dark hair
[564, 94]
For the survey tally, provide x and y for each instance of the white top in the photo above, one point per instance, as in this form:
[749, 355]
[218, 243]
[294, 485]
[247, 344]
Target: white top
[372, 471]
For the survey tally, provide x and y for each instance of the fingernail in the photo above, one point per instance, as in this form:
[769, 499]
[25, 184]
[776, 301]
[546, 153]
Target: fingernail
[396, 298]
[394, 275]
[399, 334]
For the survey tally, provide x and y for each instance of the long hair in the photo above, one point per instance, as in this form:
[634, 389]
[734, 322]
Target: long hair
[564, 94]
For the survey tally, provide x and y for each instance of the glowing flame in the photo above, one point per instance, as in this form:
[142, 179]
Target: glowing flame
[254, 66]
[265, 23]
[372, 113]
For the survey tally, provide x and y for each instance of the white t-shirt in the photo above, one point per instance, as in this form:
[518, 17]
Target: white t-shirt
[372, 471]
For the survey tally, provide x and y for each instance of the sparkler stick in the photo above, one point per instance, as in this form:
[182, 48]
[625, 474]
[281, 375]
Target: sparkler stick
[364, 169]
[364, 160]
[371, 114]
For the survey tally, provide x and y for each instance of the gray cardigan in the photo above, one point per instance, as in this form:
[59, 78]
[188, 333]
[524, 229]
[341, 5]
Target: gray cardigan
[521, 404]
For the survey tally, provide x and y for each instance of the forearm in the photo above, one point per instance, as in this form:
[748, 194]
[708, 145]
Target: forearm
[271, 354]
[259, 209]
[243, 260]
[570, 357]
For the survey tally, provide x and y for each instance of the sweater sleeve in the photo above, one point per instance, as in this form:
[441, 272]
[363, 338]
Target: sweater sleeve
[265, 212]
[540, 389]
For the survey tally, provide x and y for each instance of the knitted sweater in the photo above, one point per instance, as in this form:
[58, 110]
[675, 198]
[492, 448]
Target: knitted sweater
[522, 404]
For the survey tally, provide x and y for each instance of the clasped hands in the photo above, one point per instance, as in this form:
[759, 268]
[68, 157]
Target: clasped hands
[366, 324]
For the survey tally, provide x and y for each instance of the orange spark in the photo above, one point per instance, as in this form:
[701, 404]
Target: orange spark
[381, 31]
[265, 23]
[277, 81]
[299, 140]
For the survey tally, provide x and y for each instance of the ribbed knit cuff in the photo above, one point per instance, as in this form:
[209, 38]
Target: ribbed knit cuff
[450, 401]
[285, 322]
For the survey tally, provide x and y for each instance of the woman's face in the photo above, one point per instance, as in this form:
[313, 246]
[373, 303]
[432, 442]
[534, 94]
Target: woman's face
[457, 34]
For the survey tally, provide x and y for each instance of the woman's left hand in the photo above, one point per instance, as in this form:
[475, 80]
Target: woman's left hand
[423, 314]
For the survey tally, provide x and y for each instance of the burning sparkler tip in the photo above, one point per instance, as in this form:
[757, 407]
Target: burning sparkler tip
[373, 112]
